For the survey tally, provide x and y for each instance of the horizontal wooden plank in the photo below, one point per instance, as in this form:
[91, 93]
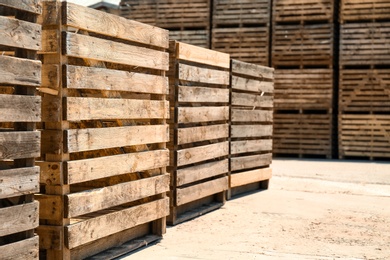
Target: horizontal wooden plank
[239, 115]
[19, 145]
[50, 237]
[78, 140]
[250, 161]
[20, 34]
[19, 218]
[202, 114]
[248, 146]
[202, 153]
[105, 225]
[252, 85]
[81, 203]
[104, 108]
[200, 172]
[32, 6]
[201, 55]
[202, 95]
[18, 71]
[253, 70]
[112, 25]
[87, 47]
[243, 178]
[21, 250]
[203, 75]
[50, 206]
[250, 100]
[15, 108]
[20, 181]
[202, 133]
[78, 77]
[195, 192]
[251, 131]
[96, 168]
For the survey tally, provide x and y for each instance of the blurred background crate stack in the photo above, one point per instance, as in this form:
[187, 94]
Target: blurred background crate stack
[303, 38]
[104, 157]
[242, 29]
[364, 79]
[20, 110]
[251, 114]
[199, 125]
[187, 21]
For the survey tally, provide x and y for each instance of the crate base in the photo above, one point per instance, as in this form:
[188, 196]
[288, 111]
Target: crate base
[303, 155]
[247, 189]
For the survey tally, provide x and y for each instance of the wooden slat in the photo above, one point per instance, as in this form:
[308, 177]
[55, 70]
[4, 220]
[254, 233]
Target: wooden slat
[239, 115]
[251, 131]
[18, 71]
[248, 146]
[105, 225]
[246, 84]
[105, 79]
[20, 181]
[252, 161]
[50, 237]
[253, 70]
[202, 114]
[20, 34]
[101, 108]
[19, 145]
[32, 6]
[239, 179]
[202, 133]
[200, 172]
[101, 138]
[112, 25]
[15, 108]
[202, 153]
[50, 206]
[303, 10]
[203, 94]
[250, 100]
[194, 192]
[87, 47]
[203, 75]
[201, 55]
[19, 218]
[81, 203]
[96, 168]
[199, 38]
[26, 249]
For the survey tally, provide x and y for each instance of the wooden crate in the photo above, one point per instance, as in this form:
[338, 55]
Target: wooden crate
[303, 89]
[199, 98]
[302, 45]
[303, 134]
[20, 110]
[245, 44]
[251, 126]
[287, 11]
[103, 174]
[144, 11]
[364, 90]
[240, 13]
[364, 44]
[364, 10]
[364, 136]
[200, 38]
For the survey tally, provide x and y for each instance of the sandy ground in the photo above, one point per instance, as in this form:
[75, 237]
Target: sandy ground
[312, 210]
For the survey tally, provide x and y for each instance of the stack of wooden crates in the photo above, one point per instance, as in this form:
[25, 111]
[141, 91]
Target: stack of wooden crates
[302, 55]
[187, 21]
[364, 88]
[20, 110]
[241, 28]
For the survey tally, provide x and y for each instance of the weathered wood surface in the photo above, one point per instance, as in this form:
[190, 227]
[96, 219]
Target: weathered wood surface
[15, 108]
[202, 94]
[247, 146]
[19, 145]
[203, 75]
[202, 133]
[250, 131]
[50, 206]
[364, 10]
[18, 182]
[50, 237]
[202, 153]
[18, 71]
[194, 192]
[32, 6]
[116, 221]
[202, 114]
[50, 41]
[19, 218]
[26, 249]
[241, 115]
[20, 34]
[240, 83]
[250, 161]
[248, 69]
[304, 10]
[200, 38]
[254, 100]
[252, 176]
[50, 172]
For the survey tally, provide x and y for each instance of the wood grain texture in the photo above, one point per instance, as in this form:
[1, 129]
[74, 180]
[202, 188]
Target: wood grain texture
[253, 70]
[50, 172]
[202, 114]
[202, 133]
[20, 181]
[246, 84]
[51, 207]
[250, 100]
[26, 249]
[203, 75]
[19, 218]
[15, 108]
[239, 179]
[20, 34]
[202, 153]
[239, 115]
[201, 172]
[202, 94]
[251, 131]
[248, 146]
[32, 6]
[18, 71]
[251, 161]
[19, 145]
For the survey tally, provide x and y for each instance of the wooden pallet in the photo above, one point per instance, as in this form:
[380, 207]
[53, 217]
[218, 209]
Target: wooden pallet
[303, 134]
[365, 44]
[364, 90]
[240, 13]
[302, 45]
[364, 135]
[251, 126]
[144, 11]
[245, 44]
[364, 10]
[20, 110]
[199, 98]
[200, 38]
[303, 89]
[302, 11]
[104, 157]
